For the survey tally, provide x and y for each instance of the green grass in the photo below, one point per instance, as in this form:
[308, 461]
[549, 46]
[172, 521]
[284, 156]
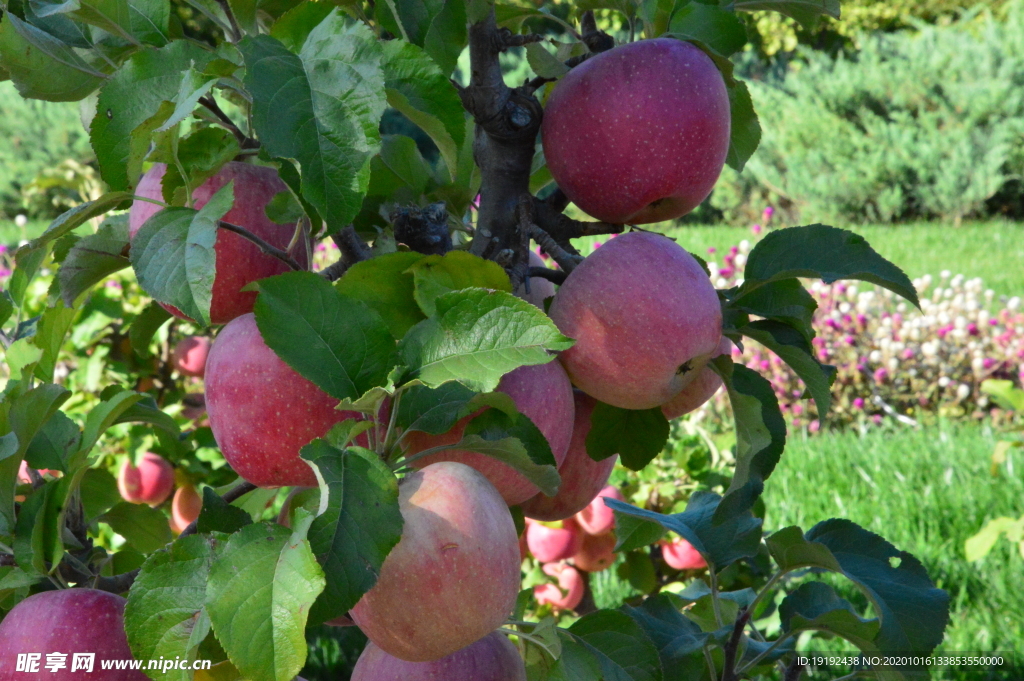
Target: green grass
[926, 491]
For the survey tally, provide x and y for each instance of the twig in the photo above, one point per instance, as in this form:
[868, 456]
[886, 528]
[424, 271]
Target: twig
[595, 39]
[211, 104]
[559, 254]
[556, 277]
[235, 28]
[733, 644]
[231, 495]
[264, 246]
[352, 249]
[561, 227]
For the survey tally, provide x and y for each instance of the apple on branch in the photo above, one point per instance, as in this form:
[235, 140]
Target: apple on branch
[151, 482]
[492, 658]
[189, 356]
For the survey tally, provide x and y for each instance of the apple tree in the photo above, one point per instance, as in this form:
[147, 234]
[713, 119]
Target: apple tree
[379, 430]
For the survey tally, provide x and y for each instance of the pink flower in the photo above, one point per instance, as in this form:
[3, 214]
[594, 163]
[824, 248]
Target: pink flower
[877, 419]
[814, 426]
[880, 375]
[712, 250]
[858, 403]
[972, 329]
[766, 216]
[756, 229]
[988, 363]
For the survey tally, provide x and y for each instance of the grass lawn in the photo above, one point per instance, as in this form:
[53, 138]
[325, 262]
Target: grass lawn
[926, 491]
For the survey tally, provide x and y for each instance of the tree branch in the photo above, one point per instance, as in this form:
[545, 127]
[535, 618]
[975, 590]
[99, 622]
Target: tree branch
[267, 248]
[211, 104]
[352, 249]
[733, 644]
[562, 228]
[556, 277]
[558, 252]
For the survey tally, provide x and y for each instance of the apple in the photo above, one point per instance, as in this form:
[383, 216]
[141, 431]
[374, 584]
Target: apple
[639, 133]
[700, 390]
[549, 544]
[645, 317]
[454, 576]
[149, 483]
[67, 621]
[24, 478]
[567, 594]
[679, 554]
[262, 412]
[239, 261]
[597, 552]
[544, 394]
[185, 508]
[582, 477]
[189, 356]
[492, 658]
[540, 288]
[598, 518]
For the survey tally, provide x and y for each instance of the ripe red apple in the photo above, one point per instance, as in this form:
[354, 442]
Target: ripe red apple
[582, 477]
[700, 390]
[598, 518]
[66, 621]
[262, 411]
[185, 508]
[639, 133]
[550, 544]
[492, 658]
[239, 261]
[544, 394]
[567, 594]
[454, 576]
[149, 483]
[597, 553]
[679, 554]
[645, 317]
[540, 288]
[189, 356]
[23, 476]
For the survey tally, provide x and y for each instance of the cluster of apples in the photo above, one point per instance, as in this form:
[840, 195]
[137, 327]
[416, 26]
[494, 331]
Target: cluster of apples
[151, 482]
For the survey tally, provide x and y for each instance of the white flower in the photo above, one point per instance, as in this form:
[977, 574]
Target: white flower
[893, 364]
[744, 248]
[1013, 303]
[20, 220]
[875, 357]
[740, 260]
[977, 364]
[945, 274]
[963, 391]
[943, 381]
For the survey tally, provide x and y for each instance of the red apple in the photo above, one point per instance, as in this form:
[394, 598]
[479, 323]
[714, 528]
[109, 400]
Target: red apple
[544, 394]
[23, 476]
[239, 261]
[66, 621]
[149, 483]
[549, 544]
[679, 554]
[454, 576]
[492, 658]
[598, 517]
[540, 288]
[597, 552]
[262, 411]
[189, 356]
[185, 508]
[582, 477]
[700, 390]
[569, 591]
[645, 317]
[640, 133]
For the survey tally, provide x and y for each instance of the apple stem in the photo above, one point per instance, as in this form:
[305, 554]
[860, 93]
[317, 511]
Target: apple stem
[263, 245]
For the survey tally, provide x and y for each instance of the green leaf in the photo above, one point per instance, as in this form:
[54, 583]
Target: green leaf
[43, 67]
[195, 84]
[145, 326]
[721, 543]
[637, 436]
[399, 172]
[133, 96]
[477, 337]
[785, 300]
[806, 12]
[284, 209]
[145, 528]
[435, 275]
[825, 252]
[678, 640]
[93, 258]
[335, 92]
[815, 605]
[99, 493]
[78, 216]
[245, 13]
[515, 441]
[1004, 392]
[200, 257]
[913, 611]
[433, 410]
[218, 515]
[53, 445]
[760, 435]
[745, 130]
[622, 648]
[51, 330]
[147, 411]
[338, 343]
[101, 417]
[166, 611]
[418, 88]
[135, 21]
[438, 26]
[260, 590]
[37, 537]
[385, 284]
[543, 63]
[792, 347]
[295, 25]
[632, 533]
[201, 154]
[358, 528]
[717, 28]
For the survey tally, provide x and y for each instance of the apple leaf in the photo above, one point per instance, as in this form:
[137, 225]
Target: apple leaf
[632, 533]
[99, 493]
[679, 641]
[435, 275]
[53, 445]
[78, 216]
[621, 647]
[914, 613]
[637, 436]
[295, 25]
[335, 94]
[543, 63]
[51, 330]
[38, 544]
[433, 410]
[131, 97]
[745, 130]
[806, 12]
[478, 336]
[93, 258]
[145, 528]
[44, 67]
[135, 21]
[218, 515]
[144, 327]
[338, 343]
[792, 347]
[514, 440]
[201, 155]
[385, 285]
[166, 611]
[720, 543]
[101, 417]
[438, 26]
[785, 300]
[358, 528]
[261, 587]
[824, 252]
[719, 29]
[815, 605]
